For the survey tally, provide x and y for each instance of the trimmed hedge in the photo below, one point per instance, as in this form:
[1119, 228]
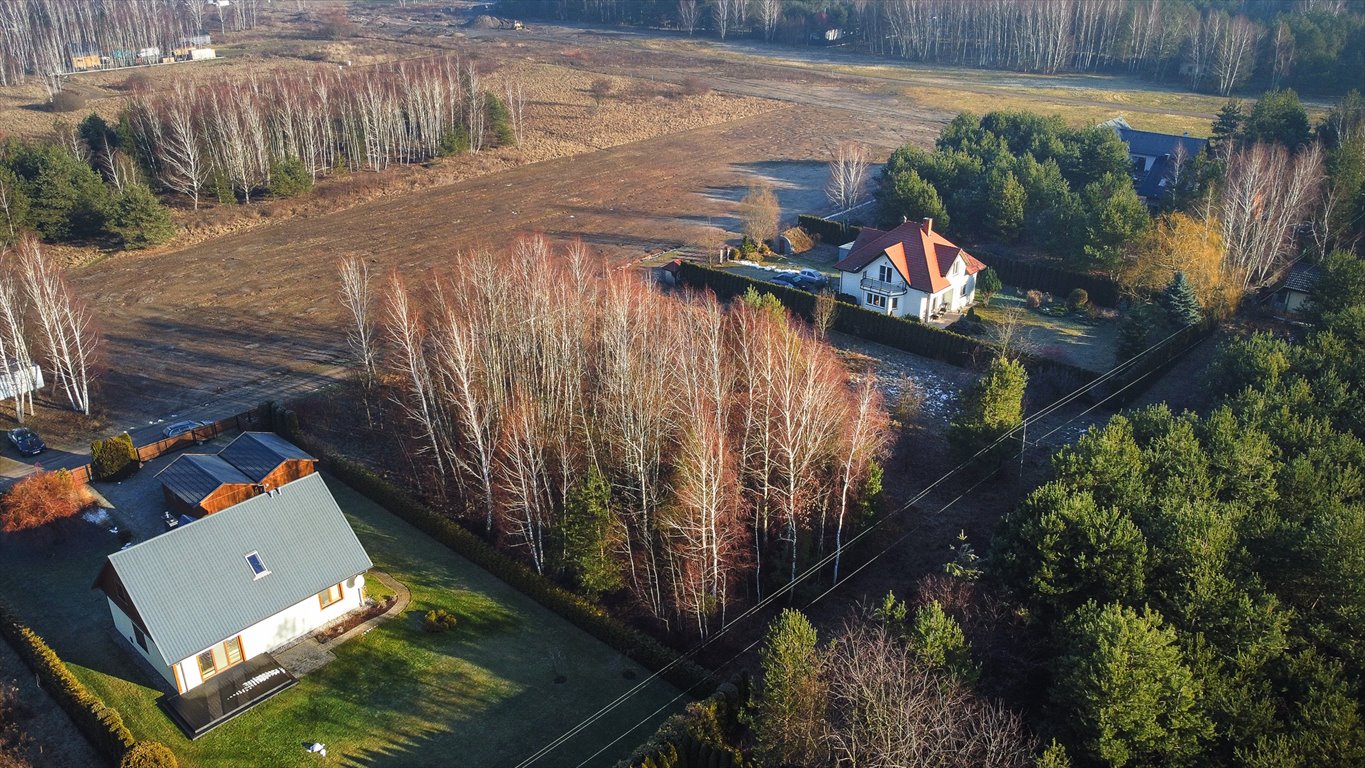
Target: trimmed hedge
[149, 754]
[829, 231]
[1033, 275]
[101, 724]
[578, 610]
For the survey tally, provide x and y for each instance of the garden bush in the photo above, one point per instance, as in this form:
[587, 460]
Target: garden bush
[1034, 299]
[67, 101]
[101, 724]
[39, 499]
[289, 178]
[438, 620]
[578, 610]
[1078, 298]
[149, 754]
[114, 457]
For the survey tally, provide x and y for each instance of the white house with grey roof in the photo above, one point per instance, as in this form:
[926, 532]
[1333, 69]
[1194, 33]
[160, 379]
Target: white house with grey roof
[200, 600]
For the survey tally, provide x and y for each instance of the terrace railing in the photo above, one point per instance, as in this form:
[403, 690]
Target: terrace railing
[883, 287]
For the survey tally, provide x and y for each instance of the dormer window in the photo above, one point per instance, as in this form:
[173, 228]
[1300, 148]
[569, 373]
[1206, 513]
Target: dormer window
[258, 568]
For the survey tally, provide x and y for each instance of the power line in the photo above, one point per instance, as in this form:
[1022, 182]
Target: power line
[815, 567]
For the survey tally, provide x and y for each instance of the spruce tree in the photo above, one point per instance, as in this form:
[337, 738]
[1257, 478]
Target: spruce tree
[1134, 330]
[1180, 302]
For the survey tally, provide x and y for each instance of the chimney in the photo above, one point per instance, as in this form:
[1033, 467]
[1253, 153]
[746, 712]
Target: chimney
[927, 225]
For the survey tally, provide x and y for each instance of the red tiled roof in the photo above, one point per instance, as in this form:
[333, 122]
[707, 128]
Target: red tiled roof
[922, 257]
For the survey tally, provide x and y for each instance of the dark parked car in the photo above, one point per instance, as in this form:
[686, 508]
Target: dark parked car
[812, 284]
[26, 441]
[785, 278]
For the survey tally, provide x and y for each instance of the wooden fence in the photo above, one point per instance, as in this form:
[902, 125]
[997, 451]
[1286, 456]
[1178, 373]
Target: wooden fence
[240, 422]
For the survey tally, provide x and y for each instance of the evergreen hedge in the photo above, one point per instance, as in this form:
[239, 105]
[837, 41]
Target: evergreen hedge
[828, 230]
[101, 724]
[580, 611]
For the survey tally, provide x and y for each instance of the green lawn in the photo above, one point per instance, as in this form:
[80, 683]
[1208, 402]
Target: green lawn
[1069, 339]
[483, 695]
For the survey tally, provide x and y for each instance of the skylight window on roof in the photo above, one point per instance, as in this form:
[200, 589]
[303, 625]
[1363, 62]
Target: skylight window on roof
[254, 560]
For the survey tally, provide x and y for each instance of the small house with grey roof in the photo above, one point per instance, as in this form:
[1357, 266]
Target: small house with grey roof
[197, 484]
[272, 569]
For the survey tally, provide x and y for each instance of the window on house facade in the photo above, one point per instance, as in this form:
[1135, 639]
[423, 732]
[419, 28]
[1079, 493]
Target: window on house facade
[140, 637]
[895, 303]
[220, 657]
[885, 274]
[258, 568]
[963, 294]
[875, 300]
[330, 595]
[233, 651]
[207, 668]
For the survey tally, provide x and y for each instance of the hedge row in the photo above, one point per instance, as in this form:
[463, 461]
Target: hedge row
[1032, 275]
[907, 334]
[580, 611]
[1134, 381]
[829, 231]
[101, 724]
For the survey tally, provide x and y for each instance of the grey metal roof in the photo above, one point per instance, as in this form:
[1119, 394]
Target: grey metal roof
[194, 476]
[192, 585]
[258, 454]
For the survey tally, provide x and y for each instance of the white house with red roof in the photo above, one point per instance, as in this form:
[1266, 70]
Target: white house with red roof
[911, 271]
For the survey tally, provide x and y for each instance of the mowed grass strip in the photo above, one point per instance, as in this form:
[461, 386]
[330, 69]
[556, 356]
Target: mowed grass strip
[511, 677]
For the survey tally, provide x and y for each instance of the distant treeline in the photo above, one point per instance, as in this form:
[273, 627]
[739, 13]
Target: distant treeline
[1314, 46]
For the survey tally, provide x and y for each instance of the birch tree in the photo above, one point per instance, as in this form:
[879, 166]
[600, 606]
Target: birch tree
[69, 339]
[848, 166]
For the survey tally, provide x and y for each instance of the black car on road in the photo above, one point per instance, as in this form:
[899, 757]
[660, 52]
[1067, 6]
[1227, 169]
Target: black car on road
[26, 441]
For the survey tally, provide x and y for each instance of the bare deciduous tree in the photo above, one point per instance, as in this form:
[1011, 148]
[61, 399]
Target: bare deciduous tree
[848, 166]
[69, 339]
[826, 309]
[1267, 194]
[759, 212]
[357, 295]
[769, 13]
[689, 13]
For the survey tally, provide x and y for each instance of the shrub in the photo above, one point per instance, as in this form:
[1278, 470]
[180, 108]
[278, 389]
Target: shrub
[289, 178]
[1078, 298]
[102, 724]
[149, 754]
[38, 500]
[584, 613]
[988, 284]
[1034, 299]
[114, 458]
[67, 101]
[695, 86]
[438, 621]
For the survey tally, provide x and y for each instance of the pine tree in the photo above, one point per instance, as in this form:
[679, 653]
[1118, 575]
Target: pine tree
[1180, 302]
[939, 642]
[1227, 126]
[789, 710]
[585, 535]
[993, 406]
[1126, 690]
[139, 219]
[1006, 201]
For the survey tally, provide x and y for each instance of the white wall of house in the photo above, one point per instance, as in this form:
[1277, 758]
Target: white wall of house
[960, 293]
[128, 630]
[293, 622]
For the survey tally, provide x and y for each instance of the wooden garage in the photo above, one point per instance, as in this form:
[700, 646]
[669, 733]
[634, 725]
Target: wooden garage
[201, 484]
